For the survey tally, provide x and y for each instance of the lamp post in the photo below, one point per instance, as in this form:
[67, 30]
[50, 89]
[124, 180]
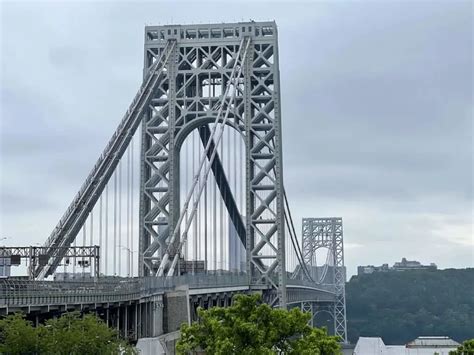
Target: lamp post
[129, 259]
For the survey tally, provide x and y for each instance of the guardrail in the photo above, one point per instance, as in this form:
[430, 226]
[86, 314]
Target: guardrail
[16, 292]
[24, 292]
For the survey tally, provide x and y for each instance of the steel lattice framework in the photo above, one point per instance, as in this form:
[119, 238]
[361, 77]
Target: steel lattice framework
[328, 233]
[201, 78]
[37, 256]
[189, 96]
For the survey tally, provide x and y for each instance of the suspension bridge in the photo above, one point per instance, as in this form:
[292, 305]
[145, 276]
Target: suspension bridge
[186, 205]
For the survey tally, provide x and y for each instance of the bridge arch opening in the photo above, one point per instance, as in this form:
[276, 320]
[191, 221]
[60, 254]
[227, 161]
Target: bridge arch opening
[215, 240]
[321, 265]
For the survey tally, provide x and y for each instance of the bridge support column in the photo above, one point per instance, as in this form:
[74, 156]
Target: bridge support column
[157, 317]
[118, 321]
[125, 322]
[135, 318]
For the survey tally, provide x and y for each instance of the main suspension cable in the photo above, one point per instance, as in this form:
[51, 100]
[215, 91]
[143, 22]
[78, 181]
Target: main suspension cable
[294, 239]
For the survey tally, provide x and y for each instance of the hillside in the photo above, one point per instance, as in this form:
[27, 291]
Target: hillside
[400, 306]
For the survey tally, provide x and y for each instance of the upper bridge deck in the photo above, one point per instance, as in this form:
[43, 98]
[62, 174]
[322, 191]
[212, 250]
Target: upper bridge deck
[27, 295]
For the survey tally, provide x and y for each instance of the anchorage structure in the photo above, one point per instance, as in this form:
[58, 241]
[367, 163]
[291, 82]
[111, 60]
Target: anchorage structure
[327, 233]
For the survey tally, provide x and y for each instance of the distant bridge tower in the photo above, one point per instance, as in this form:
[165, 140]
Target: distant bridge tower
[188, 97]
[327, 233]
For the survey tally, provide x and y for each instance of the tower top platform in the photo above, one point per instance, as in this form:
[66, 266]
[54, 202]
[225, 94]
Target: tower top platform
[206, 32]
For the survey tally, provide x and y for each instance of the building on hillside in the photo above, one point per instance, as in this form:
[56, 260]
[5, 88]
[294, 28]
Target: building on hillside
[412, 265]
[425, 345]
[398, 266]
[369, 269]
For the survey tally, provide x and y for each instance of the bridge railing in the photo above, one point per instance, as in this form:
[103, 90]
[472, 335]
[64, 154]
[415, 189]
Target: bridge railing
[25, 292]
[15, 292]
[204, 280]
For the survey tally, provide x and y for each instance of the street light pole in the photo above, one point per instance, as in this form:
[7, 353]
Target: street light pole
[129, 257]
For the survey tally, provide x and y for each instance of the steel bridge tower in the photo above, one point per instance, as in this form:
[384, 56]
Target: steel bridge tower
[188, 97]
[327, 233]
[199, 81]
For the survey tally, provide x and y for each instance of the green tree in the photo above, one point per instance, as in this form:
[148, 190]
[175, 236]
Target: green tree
[69, 334]
[466, 348]
[76, 334]
[252, 327]
[17, 335]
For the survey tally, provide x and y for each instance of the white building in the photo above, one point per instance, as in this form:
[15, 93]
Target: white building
[420, 346]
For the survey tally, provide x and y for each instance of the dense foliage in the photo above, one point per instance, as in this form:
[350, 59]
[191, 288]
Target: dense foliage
[69, 334]
[400, 306]
[466, 348]
[250, 327]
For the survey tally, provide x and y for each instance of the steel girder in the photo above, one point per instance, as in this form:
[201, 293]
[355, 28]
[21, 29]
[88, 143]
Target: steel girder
[204, 56]
[328, 233]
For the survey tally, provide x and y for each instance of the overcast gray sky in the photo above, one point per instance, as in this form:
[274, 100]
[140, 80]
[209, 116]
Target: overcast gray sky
[376, 109]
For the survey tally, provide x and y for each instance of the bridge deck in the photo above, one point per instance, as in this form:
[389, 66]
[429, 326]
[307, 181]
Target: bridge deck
[25, 294]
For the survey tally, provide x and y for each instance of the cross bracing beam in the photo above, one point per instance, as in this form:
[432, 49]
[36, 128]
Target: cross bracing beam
[72, 221]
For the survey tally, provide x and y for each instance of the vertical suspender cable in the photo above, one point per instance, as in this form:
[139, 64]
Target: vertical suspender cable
[120, 220]
[131, 207]
[186, 176]
[100, 230]
[213, 200]
[128, 213]
[115, 224]
[221, 214]
[105, 252]
[194, 199]
[206, 267]
[228, 249]
[91, 239]
[214, 224]
[242, 194]
[83, 244]
[237, 241]
[205, 225]
[198, 212]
